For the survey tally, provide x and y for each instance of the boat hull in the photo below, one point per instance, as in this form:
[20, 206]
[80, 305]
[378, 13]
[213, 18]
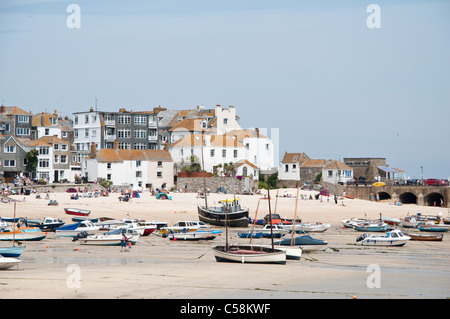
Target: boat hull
[11, 251]
[247, 254]
[292, 252]
[433, 228]
[77, 212]
[235, 219]
[423, 237]
[194, 236]
[7, 262]
[23, 234]
[370, 228]
[106, 240]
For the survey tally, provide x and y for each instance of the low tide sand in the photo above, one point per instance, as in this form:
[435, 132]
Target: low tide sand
[158, 268]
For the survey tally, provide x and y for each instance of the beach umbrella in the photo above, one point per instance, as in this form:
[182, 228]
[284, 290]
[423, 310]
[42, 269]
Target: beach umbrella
[324, 192]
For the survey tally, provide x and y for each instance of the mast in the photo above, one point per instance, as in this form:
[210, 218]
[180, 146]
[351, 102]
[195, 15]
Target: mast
[254, 222]
[14, 223]
[270, 216]
[295, 217]
[204, 180]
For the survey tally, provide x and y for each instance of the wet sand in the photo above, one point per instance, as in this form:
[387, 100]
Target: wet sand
[158, 268]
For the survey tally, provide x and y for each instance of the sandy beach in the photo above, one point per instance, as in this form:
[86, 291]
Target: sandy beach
[158, 268]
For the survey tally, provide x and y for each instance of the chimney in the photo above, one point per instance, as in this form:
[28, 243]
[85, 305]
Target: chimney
[2, 109]
[91, 109]
[116, 145]
[93, 150]
[207, 138]
[166, 146]
[257, 132]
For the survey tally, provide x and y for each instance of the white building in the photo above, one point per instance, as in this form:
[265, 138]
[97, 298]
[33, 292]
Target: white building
[225, 120]
[290, 166]
[134, 168]
[245, 168]
[336, 172]
[215, 150]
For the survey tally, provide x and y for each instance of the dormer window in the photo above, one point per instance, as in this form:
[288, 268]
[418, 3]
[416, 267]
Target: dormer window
[54, 120]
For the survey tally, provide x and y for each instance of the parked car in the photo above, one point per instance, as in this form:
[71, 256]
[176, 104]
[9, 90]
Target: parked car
[434, 182]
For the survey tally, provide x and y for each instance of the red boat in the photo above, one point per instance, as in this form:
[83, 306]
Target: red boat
[77, 211]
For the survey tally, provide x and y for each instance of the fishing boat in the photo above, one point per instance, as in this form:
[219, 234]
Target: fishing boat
[8, 262]
[426, 237]
[194, 235]
[446, 220]
[113, 238]
[433, 227]
[190, 225]
[215, 215]
[22, 234]
[248, 253]
[149, 227]
[414, 220]
[393, 237]
[269, 230]
[72, 230]
[307, 227]
[14, 251]
[375, 226]
[47, 223]
[77, 211]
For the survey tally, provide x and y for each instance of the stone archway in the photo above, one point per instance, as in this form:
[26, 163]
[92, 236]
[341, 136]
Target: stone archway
[408, 198]
[384, 195]
[434, 199]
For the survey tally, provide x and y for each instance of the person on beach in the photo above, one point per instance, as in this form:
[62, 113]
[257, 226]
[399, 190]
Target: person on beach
[123, 244]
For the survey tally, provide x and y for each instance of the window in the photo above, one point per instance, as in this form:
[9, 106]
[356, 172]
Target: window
[140, 133]
[224, 153]
[159, 174]
[108, 165]
[75, 132]
[94, 118]
[9, 163]
[44, 162]
[22, 131]
[140, 119]
[138, 163]
[47, 131]
[44, 150]
[235, 153]
[109, 117]
[138, 173]
[286, 168]
[244, 171]
[124, 119]
[86, 119]
[63, 159]
[56, 159]
[23, 119]
[267, 146]
[94, 133]
[212, 152]
[86, 132]
[140, 146]
[64, 147]
[225, 121]
[56, 146]
[54, 120]
[75, 119]
[124, 146]
[10, 149]
[330, 173]
[108, 176]
[159, 163]
[124, 133]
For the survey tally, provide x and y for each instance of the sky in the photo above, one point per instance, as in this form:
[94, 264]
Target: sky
[313, 74]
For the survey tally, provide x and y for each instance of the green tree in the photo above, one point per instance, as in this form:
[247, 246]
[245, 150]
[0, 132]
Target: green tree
[32, 162]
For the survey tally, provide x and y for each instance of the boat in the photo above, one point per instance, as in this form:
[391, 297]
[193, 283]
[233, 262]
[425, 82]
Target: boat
[350, 223]
[194, 235]
[77, 211]
[8, 262]
[273, 229]
[426, 237]
[47, 223]
[307, 227]
[190, 225]
[113, 238]
[378, 184]
[10, 220]
[149, 227]
[414, 220]
[72, 230]
[391, 220]
[22, 234]
[248, 253]
[446, 220]
[375, 226]
[14, 251]
[393, 237]
[433, 227]
[81, 218]
[250, 235]
[215, 215]
[306, 243]
[292, 252]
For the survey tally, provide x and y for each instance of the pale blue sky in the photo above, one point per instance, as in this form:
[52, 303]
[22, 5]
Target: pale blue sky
[313, 69]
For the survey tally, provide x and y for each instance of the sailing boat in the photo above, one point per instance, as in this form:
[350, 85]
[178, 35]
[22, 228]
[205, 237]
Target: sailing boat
[249, 253]
[292, 251]
[14, 251]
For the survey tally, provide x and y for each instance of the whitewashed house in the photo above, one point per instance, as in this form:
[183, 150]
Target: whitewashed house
[137, 169]
[290, 166]
[336, 172]
[212, 151]
[246, 169]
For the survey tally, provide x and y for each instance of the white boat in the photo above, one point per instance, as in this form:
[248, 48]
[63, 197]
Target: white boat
[8, 262]
[113, 238]
[308, 227]
[391, 220]
[292, 252]
[394, 237]
[193, 225]
[22, 234]
[249, 254]
[275, 229]
[350, 223]
[193, 235]
[73, 229]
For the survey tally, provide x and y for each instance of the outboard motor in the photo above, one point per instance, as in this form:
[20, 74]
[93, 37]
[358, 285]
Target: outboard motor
[361, 237]
[82, 234]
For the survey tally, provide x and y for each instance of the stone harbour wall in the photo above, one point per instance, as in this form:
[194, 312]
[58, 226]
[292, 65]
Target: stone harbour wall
[230, 184]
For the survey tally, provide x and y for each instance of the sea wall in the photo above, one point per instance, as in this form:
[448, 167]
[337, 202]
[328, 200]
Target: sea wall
[230, 184]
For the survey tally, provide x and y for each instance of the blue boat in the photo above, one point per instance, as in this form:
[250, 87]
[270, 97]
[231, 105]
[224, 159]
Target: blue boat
[250, 235]
[275, 235]
[13, 251]
[378, 227]
[301, 241]
[433, 228]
